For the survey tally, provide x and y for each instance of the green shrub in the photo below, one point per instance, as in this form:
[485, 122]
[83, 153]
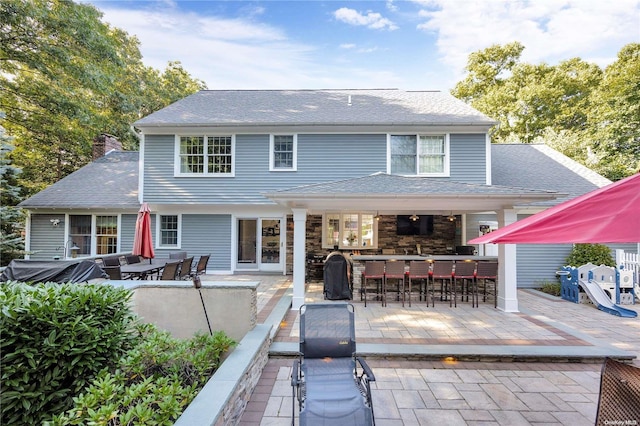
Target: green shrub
[55, 339]
[153, 384]
[598, 254]
[550, 287]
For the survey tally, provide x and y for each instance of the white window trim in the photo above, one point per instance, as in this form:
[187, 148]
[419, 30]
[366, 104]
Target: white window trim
[176, 156]
[327, 245]
[158, 240]
[447, 154]
[272, 167]
[94, 233]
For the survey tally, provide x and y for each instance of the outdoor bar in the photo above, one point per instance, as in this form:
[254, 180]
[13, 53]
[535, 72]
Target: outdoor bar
[359, 262]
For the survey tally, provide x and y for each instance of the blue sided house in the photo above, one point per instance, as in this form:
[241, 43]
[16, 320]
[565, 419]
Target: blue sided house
[265, 179]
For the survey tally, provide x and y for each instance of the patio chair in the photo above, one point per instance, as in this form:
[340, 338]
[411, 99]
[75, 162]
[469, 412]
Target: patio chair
[373, 270]
[113, 272]
[443, 271]
[419, 270]
[330, 383]
[178, 255]
[487, 273]
[111, 261]
[466, 273]
[132, 258]
[619, 398]
[393, 270]
[185, 269]
[170, 271]
[201, 266]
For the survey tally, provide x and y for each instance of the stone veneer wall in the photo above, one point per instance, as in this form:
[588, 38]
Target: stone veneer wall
[241, 395]
[443, 240]
[224, 398]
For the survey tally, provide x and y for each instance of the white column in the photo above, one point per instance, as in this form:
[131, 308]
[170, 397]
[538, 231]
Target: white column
[299, 256]
[507, 270]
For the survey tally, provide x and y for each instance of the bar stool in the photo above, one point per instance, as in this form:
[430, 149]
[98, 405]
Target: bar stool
[465, 271]
[488, 271]
[393, 270]
[443, 270]
[419, 270]
[373, 270]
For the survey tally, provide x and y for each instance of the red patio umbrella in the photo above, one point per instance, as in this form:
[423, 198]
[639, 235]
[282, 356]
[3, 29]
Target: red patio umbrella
[610, 214]
[142, 240]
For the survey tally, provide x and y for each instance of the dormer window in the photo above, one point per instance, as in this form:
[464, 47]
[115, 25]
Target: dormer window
[205, 155]
[422, 155]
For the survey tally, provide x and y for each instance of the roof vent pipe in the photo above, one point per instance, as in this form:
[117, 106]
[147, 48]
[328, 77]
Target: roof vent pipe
[349, 101]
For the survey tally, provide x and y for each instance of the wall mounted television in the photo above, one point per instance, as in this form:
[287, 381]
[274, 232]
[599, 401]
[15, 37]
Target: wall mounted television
[422, 226]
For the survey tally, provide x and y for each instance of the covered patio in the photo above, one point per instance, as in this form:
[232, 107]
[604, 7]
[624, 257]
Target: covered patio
[387, 194]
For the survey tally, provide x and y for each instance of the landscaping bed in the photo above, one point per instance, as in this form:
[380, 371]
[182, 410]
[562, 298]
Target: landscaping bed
[76, 354]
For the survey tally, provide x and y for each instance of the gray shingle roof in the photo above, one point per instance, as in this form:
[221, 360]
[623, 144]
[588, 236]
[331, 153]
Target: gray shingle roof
[110, 182]
[541, 167]
[380, 184]
[315, 107]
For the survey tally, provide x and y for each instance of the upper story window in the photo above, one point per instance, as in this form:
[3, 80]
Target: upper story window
[205, 155]
[283, 152]
[424, 155]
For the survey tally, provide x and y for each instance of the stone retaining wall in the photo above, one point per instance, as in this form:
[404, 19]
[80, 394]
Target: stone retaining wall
[223, 399]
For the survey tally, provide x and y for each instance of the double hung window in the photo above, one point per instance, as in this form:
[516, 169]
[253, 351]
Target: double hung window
[283, 152]
[106, 234]
[205, 155]
[424, 155]
[169, 231]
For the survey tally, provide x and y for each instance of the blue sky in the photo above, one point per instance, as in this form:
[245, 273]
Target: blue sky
[413, 45]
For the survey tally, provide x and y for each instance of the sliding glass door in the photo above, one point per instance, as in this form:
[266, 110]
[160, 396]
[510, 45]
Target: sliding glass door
[260, 244]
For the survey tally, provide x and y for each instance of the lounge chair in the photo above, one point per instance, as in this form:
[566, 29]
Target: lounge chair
[330, 383]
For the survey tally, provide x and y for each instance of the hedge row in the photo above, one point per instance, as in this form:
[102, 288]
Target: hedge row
[55, 339]
[75, 354]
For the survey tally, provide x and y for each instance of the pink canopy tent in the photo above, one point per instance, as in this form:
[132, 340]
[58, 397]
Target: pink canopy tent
[610, 214]
[142, 240]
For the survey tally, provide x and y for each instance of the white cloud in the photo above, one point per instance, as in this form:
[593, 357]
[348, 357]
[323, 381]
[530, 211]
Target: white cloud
[233, 53]
[550, 30]
[371, 20]
[245, 51]
[225, 53]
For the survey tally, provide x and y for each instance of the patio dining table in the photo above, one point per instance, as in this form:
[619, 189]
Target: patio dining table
[145, 268]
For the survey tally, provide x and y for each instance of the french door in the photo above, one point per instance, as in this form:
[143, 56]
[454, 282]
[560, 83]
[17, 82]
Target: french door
[260, 243]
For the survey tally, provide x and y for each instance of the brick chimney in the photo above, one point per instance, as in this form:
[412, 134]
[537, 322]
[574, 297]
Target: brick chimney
[105, 143]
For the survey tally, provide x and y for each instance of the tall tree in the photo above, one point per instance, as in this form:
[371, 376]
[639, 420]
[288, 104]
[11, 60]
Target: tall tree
[525, 98]
[614, 118]
[574, 106]
[65, 77]
[11, 217]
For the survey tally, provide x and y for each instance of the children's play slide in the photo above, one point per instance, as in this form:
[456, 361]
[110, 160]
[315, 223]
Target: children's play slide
[602, 301]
